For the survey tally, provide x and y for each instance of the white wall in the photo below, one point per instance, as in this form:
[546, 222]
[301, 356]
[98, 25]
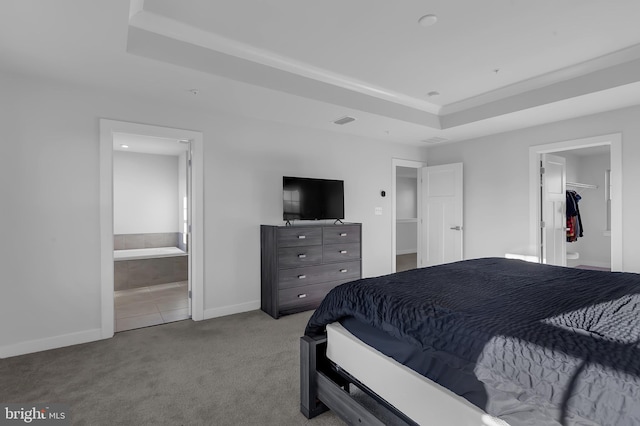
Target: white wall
[145, 193]
[50, 181]
[496, 179]
[406, 208]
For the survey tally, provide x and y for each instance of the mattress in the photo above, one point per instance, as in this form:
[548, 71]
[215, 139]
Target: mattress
[549, 345]
[420, 399]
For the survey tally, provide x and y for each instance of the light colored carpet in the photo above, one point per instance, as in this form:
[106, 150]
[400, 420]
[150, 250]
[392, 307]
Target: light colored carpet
[237, 370]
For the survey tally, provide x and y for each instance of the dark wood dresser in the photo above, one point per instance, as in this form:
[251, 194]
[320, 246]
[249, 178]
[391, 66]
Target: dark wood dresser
[301, 263]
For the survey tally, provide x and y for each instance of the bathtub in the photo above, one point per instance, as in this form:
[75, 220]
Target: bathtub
[135, 268]
[147, 253]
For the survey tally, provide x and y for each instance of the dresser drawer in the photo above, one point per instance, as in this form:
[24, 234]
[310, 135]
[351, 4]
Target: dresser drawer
[291, 257]
[309, 297]
[295, 236]
[340, 252]
[341, 234]
[309, 275]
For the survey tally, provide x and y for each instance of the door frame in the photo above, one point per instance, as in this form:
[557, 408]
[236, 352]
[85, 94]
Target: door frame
[395, 163]
[614, 141]
[196, 271]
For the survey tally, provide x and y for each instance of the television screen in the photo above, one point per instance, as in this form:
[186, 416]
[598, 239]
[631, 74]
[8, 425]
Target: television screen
[312, 199]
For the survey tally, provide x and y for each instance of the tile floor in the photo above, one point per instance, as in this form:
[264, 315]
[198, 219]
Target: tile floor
[153, 305]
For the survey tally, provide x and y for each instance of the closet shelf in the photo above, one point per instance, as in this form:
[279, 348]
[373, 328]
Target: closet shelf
[582, 185]
[407, 220]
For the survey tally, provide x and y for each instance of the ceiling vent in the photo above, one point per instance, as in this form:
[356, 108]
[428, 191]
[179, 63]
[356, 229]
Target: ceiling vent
[344, 120]
[435, 139]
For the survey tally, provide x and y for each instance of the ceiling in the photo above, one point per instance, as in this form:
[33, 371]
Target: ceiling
[494, 66]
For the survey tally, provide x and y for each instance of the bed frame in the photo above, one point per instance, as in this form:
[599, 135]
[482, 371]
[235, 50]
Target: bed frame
[324, 386]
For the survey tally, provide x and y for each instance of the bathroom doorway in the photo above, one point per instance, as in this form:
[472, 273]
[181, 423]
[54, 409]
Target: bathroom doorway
[151, 219]
[151, 214]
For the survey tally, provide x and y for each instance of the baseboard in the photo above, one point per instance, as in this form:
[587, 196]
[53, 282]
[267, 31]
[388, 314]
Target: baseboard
[230, 310]
[592, 263]
[47, 343]
[406, 251]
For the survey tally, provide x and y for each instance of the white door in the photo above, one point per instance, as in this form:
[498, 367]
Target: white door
[442, 230]
[553, 234]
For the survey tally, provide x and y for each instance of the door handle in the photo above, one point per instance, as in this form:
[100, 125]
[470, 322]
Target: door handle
[456, 228]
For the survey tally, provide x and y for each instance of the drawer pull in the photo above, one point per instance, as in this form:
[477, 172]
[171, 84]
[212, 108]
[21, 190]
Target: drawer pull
[302, 256]
[302, 277]
[343, 252]
[302, 296]
[302, 237]
[343, 234]
[344, 270]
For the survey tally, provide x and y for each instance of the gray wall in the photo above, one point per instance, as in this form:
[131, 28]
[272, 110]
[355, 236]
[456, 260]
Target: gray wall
[496, 179]
[49, 179]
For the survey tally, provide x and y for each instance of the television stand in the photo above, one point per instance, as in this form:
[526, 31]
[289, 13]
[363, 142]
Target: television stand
[300, 264]
[338, 220]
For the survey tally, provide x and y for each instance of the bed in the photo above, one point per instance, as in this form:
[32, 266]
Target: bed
[487, 341]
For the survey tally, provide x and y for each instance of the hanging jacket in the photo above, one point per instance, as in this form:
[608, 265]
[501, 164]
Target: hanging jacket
[574, 221]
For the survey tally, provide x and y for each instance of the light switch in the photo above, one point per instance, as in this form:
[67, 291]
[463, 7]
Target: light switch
[378, 211]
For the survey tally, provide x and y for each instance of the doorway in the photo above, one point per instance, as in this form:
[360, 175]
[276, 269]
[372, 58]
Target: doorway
[593, 171]
[151, 218]
[405, 214]
[110, 132]
[406, 191]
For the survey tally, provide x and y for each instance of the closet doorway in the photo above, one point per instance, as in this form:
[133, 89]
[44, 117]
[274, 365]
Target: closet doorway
[187, 209]
[590, 170]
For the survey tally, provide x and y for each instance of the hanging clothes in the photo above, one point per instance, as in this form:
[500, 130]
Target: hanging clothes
[574, 222]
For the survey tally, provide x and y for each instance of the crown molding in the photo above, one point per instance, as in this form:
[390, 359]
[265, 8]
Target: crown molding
[180, 31]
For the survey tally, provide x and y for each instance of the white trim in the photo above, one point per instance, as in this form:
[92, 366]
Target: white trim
[615, 142]
[107, 129]
[53, 342]
[232, 309]
[397, 162]
[180, 31]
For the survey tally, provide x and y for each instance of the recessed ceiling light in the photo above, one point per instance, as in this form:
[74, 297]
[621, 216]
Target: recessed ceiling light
[124, 146]
[428, 20]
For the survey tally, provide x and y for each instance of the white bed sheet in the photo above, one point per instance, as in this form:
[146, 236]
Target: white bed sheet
[419, 398]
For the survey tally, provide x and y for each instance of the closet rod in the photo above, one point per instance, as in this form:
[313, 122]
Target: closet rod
[582, 185]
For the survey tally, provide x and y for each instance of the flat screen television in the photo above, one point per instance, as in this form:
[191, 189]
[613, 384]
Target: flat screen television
[312, 199]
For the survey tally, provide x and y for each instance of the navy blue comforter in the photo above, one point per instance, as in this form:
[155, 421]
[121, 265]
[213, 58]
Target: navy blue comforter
[550, 345]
